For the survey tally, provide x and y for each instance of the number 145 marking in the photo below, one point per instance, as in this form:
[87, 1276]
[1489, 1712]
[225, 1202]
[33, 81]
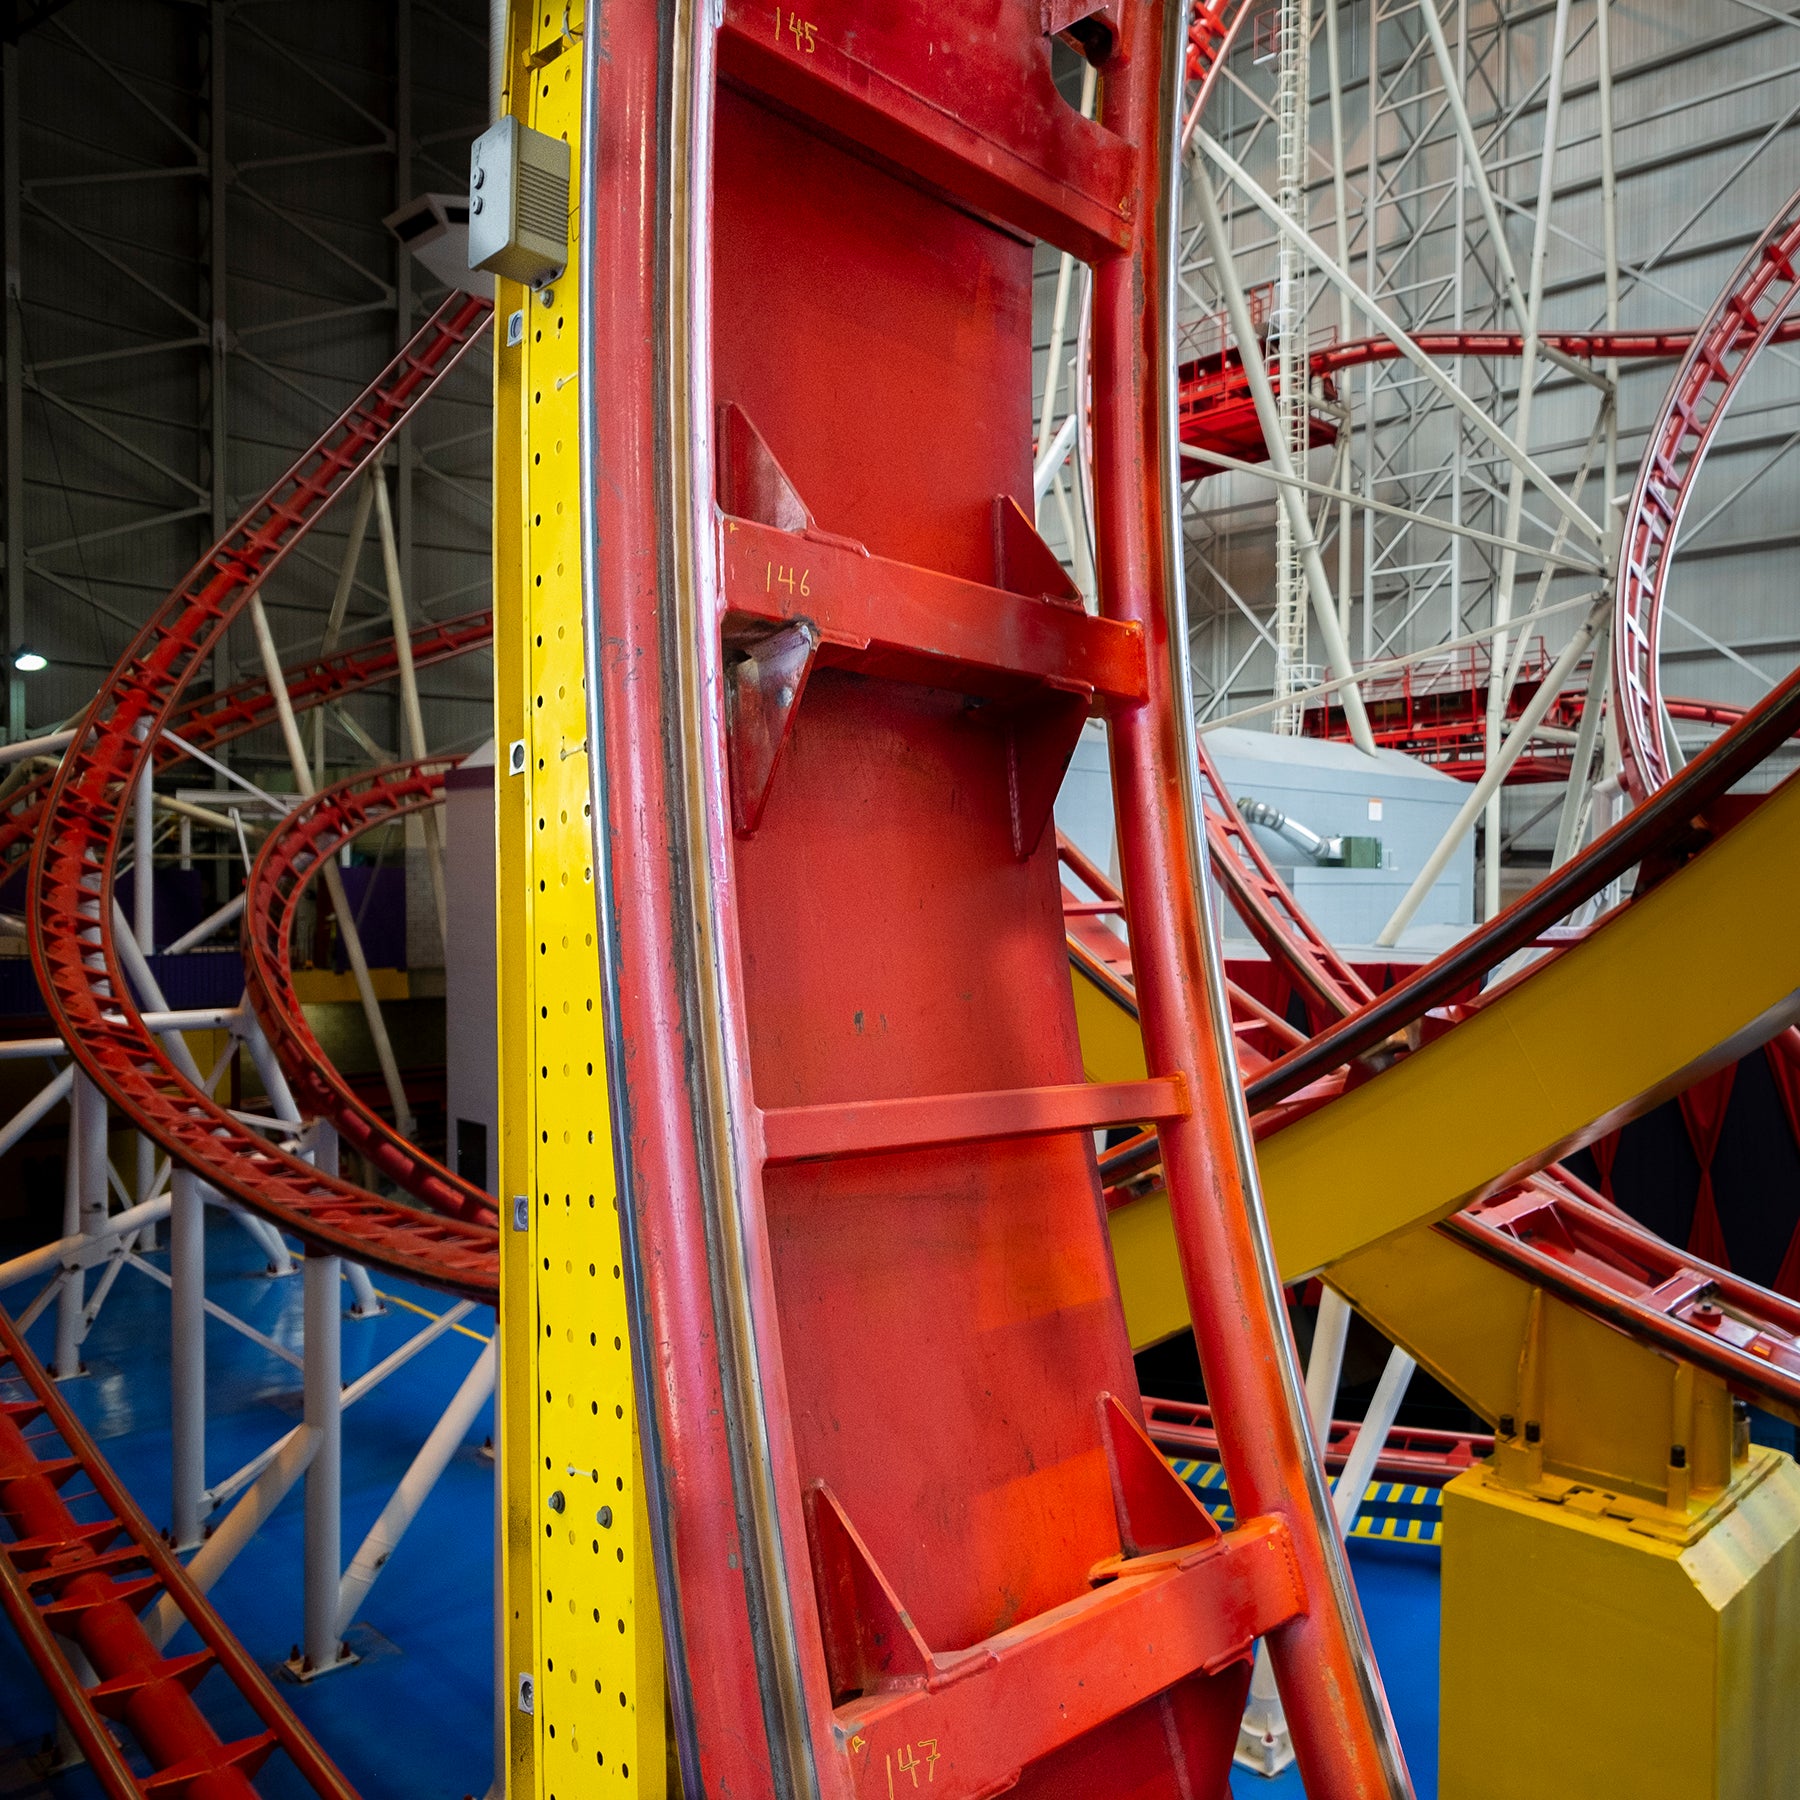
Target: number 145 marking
[805, 33]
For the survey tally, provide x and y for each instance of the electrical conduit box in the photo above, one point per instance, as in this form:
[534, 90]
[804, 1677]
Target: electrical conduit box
[519, 203]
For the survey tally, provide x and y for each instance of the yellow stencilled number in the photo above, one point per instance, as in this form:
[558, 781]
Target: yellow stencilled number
[803, 31]
[784, 575]
[908, 1760]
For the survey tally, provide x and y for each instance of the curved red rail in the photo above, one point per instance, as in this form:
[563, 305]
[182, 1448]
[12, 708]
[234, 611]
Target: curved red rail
[1744, 321]
[1219, 380]
[291, 856]
[207, 720]
[71, 925]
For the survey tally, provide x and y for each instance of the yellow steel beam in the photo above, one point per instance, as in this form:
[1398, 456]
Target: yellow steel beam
[1683, 981]
[579, 1594]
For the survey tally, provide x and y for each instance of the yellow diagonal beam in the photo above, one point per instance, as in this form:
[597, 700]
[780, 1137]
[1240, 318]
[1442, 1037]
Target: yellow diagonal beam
[1683, 981]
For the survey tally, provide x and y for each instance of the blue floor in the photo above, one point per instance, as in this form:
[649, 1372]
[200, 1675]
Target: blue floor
[413, 1720]
[415, 1717]
[1399, 1588]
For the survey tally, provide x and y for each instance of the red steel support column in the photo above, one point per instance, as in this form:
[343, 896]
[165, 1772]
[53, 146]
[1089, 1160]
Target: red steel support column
[1343, 1735]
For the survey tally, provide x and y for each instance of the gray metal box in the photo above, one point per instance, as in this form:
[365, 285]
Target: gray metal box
[519, 203]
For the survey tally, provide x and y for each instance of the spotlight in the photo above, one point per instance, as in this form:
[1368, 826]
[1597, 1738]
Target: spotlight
[29, 661]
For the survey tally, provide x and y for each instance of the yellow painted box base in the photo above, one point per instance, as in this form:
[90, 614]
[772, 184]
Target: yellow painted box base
[1585, 1661]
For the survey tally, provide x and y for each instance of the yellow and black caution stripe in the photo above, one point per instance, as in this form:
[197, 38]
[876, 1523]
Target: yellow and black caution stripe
[1395, 1512]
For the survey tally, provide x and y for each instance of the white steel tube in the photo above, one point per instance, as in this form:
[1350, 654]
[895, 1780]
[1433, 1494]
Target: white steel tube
[281, 1097]
[1497, 770]
[415, 1485]
[76, 1245]
[238, 1527]
[150, 995]
[1515, 492]
[52, 744]
[1396, 335]
[409, 695]
[340, 604]
[1250, 354]
[74, 1283]
[333, 876]
[1325, 1364]
[44, 1101]
[143, 873]
[1359, 1465]
[187, 1357]
[323, 1416]
[232, 910]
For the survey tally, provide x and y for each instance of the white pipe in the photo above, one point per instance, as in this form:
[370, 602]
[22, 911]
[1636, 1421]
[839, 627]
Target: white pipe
[74, 1285]
[340, 604]
[1359, 1465]
[1515, 492]
[54, 744]
[1397, 336]
[45, 1100]
[1325, 1365]
[143, 874]
[78, 1246]
[275, 1083]
[214, 921]
[1052, 459]
[150, 994]
[410, 708]
[332, 875]
[415, 1485]
[324, 1416]
[238, 1527]
[187, 1358]
[1337, 650]
[1497, 770]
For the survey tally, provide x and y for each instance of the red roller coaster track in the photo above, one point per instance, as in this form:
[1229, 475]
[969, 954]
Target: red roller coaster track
[80, 1578]
[1745, 320]
[85, 1580]
[293, 853]
[206, 721]
[71, 922]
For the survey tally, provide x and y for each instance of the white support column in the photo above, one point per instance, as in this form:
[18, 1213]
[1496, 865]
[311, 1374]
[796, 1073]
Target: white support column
[238, 1527]
[143, 929]
[362, 1290]
[1325, 1364]
[332, 874]
[1515, 492]
[187, 1357]
[1337, 650]
[1264, 1743]
[415, 1487]
[411, 710]
[143, 866]
[74, 1282]
[1287, 334]
[323, 1414]
[1499, 766]
[84, 1211]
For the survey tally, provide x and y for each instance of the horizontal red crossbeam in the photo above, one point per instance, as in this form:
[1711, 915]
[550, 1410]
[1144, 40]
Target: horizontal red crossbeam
[1016, 1697]
[871, 1127]
[891, 619]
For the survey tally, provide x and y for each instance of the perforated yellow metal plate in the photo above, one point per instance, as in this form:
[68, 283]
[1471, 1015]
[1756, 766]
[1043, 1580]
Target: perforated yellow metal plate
[583, 1685]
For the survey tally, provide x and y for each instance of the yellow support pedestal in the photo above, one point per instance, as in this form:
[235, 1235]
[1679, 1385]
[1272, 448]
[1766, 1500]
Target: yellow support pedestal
[1587, 1660]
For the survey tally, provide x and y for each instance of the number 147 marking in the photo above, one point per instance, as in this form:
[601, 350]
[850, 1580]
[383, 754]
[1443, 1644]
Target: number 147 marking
[909, 1759]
